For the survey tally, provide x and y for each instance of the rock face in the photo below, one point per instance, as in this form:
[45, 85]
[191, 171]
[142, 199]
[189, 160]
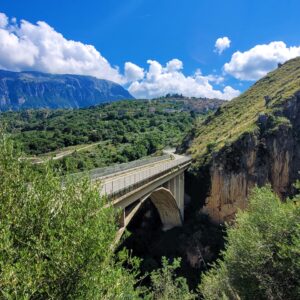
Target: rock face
[269, 153]
[20, 90]
[253, 160]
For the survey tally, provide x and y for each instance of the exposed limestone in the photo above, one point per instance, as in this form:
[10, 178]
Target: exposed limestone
[270, 157]
[252, 140]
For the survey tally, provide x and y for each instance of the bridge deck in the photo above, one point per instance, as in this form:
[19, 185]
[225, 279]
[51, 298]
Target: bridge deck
[120, 183]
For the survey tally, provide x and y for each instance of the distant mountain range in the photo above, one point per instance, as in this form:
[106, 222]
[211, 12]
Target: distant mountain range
[23, 90]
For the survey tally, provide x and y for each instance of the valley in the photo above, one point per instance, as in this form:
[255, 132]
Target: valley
[238, 155]
[149, 150]
[117, 133]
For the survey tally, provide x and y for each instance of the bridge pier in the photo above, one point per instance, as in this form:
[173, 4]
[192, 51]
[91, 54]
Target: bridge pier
[122, 218]
[176, 187]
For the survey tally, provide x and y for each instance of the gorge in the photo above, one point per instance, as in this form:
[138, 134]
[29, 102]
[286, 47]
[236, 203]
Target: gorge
[233, 151]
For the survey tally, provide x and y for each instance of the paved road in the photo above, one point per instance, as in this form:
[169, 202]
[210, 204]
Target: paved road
[116, 183]
[59, 155]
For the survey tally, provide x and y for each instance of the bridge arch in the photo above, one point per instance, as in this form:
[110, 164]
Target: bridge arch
[166, 205]
[167, 208]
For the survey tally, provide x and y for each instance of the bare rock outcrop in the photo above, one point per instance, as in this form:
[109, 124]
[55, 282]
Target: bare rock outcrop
[269, 156]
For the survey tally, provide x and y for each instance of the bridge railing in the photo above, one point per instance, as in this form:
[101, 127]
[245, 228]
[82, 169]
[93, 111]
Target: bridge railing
[119, 168]
[122, 185]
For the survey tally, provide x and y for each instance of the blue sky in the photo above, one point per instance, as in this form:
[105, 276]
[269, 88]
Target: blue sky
[136, 31]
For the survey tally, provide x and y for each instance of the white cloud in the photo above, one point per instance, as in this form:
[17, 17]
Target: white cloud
[3, 20]
[259, 60]
[39, 47]
[215, 79]
[222, 44]
[161, 80]
[16, 53]
[174, 65]
[133, 72]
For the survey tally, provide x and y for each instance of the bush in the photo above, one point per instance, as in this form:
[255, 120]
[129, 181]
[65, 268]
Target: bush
[55, 240]
[262, 256]
[166, 286]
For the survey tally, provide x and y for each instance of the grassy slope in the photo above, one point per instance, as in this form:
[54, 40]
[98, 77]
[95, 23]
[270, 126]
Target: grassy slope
[240, 115]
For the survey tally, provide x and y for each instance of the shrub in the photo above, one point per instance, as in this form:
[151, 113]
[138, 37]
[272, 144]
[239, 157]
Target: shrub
[166, 286]
[262, 256]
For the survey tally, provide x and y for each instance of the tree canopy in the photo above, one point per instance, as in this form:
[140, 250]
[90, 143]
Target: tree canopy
[56, 238]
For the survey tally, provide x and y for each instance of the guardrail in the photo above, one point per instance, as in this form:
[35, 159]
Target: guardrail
[120, 186]
[120, 168]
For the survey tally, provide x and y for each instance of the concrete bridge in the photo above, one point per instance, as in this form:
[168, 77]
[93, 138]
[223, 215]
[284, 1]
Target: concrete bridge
[160, 179]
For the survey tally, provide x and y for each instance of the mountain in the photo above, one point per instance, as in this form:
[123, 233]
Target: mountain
[20, 90]
[252, 140]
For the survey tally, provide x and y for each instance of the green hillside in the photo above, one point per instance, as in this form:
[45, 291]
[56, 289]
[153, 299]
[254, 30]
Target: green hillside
[240, 115]
[82, 139]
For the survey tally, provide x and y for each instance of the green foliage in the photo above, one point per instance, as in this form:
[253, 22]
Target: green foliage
[166, 286]
[55, 240]
[123, 131]
[262, 256]
[42, 131]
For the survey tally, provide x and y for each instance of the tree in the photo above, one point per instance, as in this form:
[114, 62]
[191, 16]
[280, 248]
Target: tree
[262, 256]
[166, 286]
[56, 238]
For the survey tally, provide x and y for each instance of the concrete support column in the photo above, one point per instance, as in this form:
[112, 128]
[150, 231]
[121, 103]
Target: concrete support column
[176, 186]
[122, 218]
[181, 193]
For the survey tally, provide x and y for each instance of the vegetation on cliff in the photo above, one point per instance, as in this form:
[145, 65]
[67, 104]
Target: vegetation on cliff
[166, 286]
[262, 256]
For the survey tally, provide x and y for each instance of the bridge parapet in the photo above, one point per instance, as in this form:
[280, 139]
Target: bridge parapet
[117, 186]
[122, 168]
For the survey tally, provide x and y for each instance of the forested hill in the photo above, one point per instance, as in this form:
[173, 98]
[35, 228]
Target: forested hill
[109, 133]
[23, 90]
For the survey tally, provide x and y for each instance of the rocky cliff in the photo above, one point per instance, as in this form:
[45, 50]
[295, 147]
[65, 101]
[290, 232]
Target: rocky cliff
[253, 140]
[20, 90]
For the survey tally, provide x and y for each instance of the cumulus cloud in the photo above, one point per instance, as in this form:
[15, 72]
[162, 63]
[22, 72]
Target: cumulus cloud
[222, 44]
[133, 72]
[259, 60]
[3, 20]
[39, 47]
[160, 80]
[174, 65]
